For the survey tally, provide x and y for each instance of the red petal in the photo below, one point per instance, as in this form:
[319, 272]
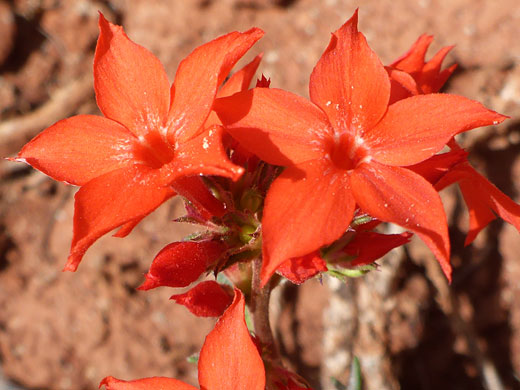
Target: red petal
[206, 299]
[306, 207]
[130, 82]
[349, 82]
[413, 60]
[127, 228]
[370, 246]
[416, 128]
[441, 79]
[110, 201]
[480, 196]
[229, 358]
[431, 78]
[479, 207]
[78, 149]
[205, 154]
[434, 168]
[300, 269]
[155, 383]
[198, 194]
[181, 263]
[263, 82]
[397, 195]
[198, 78]
[402, 85]
[278, 126]
[241, 80]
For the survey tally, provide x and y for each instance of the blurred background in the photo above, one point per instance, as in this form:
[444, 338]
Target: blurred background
[66, 331]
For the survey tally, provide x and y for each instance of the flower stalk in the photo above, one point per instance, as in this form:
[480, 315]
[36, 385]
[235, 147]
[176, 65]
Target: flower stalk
[259, 307]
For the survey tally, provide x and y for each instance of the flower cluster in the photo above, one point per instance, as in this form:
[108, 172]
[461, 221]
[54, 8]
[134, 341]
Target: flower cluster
[300, 184]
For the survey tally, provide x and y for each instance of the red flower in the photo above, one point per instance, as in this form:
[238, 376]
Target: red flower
[345, 147]
[229, 359]
[150, 135]
[428, 76]
[483, 199]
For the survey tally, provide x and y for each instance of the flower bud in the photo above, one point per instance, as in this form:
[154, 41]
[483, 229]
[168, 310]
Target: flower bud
[251, 200]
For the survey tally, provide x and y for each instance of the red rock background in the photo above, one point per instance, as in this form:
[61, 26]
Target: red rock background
[67, 331]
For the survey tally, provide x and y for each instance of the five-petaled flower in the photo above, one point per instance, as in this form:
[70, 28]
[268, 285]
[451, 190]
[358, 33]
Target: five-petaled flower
[347, 147]
[483, 199]
[150, 136]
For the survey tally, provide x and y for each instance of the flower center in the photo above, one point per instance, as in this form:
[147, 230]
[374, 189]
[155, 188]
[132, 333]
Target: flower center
[156, 151]
[348, 151]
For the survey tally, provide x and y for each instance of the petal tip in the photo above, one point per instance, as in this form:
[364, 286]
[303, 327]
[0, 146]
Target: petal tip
[425, 40]
[500, 118]
[149, 283]
[349, 27]
[255, 32]
[446, 268]
[237, 172]
[352, 23]
[265, 275]
[471, 236]
[107, 382]
[72, 264]
[448, 273]
[18, 158]
[104, 381]
[103, 23]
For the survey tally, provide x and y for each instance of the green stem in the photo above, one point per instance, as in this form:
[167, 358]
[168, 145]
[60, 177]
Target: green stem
[259, 307]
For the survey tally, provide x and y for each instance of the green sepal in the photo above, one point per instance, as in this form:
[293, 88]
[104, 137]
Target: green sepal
[249, 320]
[344, 273]
[361, 220]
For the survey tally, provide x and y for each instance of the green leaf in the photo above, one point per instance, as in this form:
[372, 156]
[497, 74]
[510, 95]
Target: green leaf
[355, 382]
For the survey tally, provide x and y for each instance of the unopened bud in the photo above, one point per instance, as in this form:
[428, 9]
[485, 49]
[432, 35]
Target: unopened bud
[246, 233]
[251, 200]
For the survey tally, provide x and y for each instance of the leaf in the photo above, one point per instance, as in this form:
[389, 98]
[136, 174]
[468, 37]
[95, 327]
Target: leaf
[355, 381]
